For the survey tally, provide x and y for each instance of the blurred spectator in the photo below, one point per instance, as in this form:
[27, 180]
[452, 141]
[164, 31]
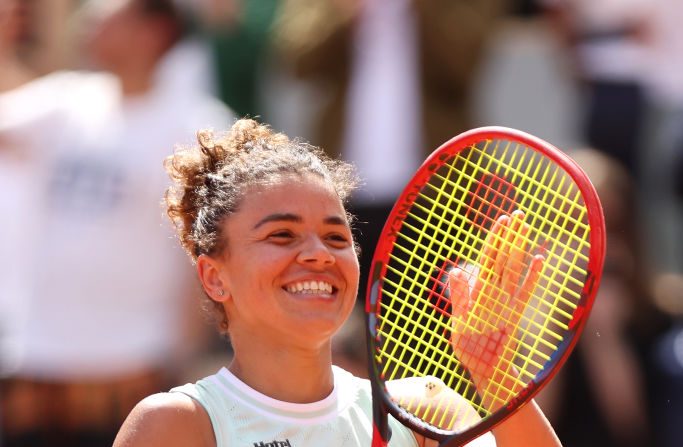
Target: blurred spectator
[631, 52]
[239, 34]
[44, 41]
[397, 75]
[13, 183]
[606, 41]
[663, 207]
[663, 145]
[107, 292]
[601, 396]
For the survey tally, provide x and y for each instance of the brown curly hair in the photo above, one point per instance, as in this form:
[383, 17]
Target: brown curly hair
[209, 181]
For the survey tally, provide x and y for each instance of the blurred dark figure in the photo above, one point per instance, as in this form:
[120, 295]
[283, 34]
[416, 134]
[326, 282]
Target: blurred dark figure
[663, 145]
[100, 329]
[606, 42]
[602, 396]
[663, 198]
[668, 385]
[239, 33]
[396, 76]
[525, 8]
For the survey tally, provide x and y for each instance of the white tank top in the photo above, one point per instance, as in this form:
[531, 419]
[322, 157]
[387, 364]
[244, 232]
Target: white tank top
[241, 416]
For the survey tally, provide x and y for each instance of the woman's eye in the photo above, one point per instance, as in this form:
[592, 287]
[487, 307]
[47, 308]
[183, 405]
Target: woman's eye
[338, 239]
[281, 235]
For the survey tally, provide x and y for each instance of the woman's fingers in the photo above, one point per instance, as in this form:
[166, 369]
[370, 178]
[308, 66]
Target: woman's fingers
[505, 241]
[487, 259]
[506, 255]
[489, 255]
[514, 265]
[458, 285]
[530, 281]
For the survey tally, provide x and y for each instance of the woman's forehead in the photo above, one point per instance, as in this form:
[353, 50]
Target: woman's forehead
[291, 192]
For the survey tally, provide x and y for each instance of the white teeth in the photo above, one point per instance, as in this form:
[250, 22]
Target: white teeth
[310, 287]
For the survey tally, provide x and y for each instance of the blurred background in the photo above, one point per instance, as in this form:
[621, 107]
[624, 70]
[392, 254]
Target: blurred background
[98, 304]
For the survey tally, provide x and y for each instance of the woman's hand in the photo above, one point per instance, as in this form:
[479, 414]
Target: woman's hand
[487, 310]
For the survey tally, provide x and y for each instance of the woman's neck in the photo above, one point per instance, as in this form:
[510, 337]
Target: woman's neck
[286, 373]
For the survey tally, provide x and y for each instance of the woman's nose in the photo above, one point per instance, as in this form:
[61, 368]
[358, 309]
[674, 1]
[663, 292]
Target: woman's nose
[315, 251]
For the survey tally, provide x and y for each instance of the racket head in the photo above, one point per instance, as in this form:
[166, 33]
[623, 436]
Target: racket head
[440, 222]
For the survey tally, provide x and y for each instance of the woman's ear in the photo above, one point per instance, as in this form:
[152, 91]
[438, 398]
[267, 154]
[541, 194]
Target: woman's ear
[209, 272]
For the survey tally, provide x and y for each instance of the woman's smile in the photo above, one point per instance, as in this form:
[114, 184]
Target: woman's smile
[312, 287]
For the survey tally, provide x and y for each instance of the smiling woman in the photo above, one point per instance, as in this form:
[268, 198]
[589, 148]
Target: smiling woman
[281, 246]
[263, 218]
[212, 179]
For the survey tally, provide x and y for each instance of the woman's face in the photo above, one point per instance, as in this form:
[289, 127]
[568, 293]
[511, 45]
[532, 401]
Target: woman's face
[290, 270]
[111, 30]
[13, 21]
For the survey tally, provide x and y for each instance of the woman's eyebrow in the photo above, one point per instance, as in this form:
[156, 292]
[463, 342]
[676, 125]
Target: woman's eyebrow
[279, 217]
[289, 217]
[335, 220]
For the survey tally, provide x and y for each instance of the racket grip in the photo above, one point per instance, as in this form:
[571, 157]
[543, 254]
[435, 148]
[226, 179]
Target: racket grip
[381, 433]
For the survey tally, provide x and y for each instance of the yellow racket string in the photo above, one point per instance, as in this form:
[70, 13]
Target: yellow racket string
[446, 228]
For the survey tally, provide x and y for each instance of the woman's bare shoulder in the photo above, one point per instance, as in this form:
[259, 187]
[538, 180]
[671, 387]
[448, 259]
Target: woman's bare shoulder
[166, 419]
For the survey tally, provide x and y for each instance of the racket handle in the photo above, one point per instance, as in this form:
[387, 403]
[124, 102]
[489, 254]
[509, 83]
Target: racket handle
[381, 433]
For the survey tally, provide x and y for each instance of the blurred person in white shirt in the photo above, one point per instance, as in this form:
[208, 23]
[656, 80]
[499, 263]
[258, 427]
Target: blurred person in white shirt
[102, 328]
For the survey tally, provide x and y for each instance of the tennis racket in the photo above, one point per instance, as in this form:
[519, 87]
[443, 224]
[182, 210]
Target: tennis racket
[480, 284]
